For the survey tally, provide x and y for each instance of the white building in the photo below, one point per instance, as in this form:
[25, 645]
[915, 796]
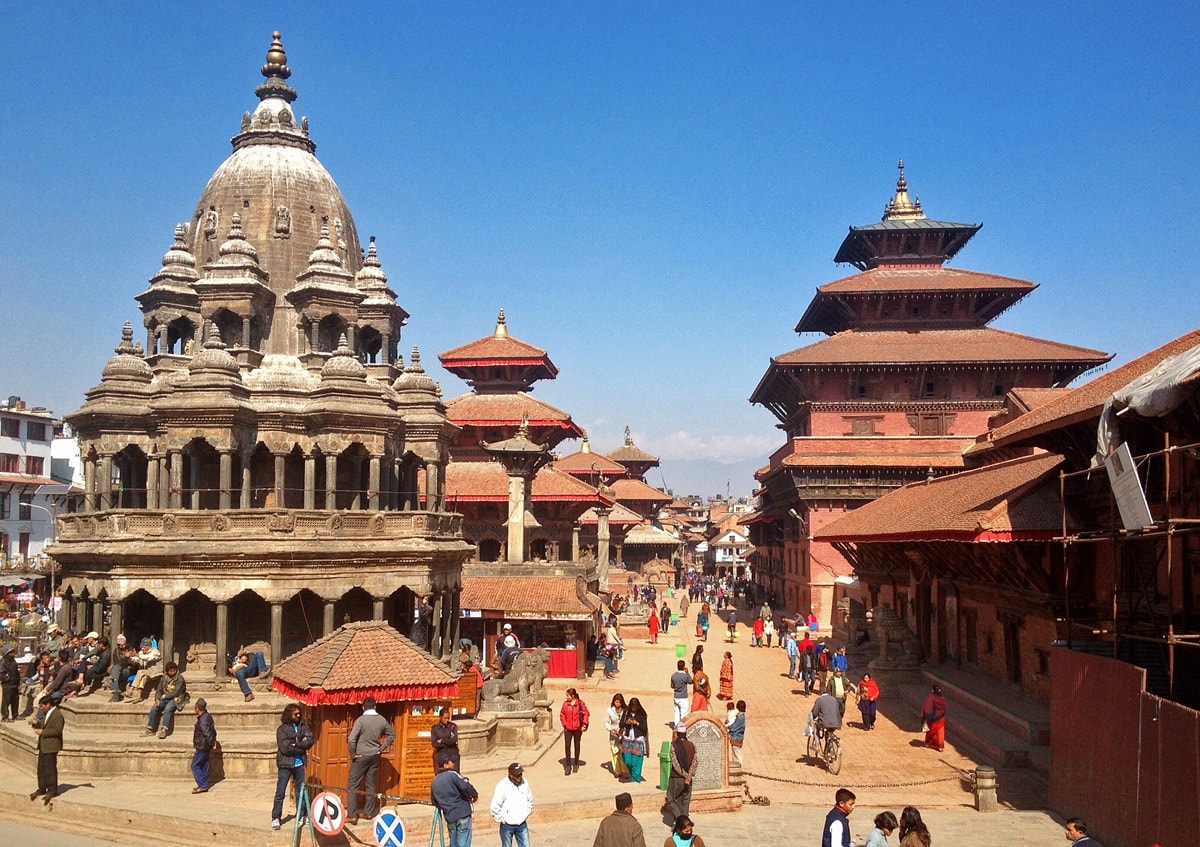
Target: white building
[29, 495]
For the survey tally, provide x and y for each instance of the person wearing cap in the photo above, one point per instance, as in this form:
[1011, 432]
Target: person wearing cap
[512, 803]
[170, 696]
[123, 668]
[453, 795]
[49, 729]
[96, 671]
[621, 828]
[54, 640]
[509, 647]
[204, 740]
[10, 684]
[683, 768]
[148, 670]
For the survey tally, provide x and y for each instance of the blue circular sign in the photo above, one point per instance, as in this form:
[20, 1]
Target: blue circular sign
[389, 829]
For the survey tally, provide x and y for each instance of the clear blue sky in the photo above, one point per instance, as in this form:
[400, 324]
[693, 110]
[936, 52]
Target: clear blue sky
[651, 191]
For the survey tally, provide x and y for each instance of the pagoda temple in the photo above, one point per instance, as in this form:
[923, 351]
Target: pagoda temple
[907, 377]
[252, 471]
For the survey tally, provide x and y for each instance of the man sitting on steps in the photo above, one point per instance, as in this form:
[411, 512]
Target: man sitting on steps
[246, 667]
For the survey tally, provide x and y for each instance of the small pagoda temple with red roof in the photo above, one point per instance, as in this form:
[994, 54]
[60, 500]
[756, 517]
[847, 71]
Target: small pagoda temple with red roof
[907, 377]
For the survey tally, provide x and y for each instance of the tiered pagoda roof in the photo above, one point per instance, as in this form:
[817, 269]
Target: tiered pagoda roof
[499, 362]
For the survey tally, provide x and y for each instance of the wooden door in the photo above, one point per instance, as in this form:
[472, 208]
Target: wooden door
[412, 767]
[329, 758]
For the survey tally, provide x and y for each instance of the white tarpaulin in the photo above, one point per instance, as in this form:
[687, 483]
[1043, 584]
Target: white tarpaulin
[1151, 395]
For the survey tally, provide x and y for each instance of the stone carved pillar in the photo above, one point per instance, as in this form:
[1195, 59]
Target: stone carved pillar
[222, 639]
[79, 617]
[327, 619]
[246, 333]
[276, 632]
[314, 341]
[376, 609]
[194, 484]
[176, 474]
[115, 622]
[373, 481]
[245, 499]
[385, 348]
[575, 543]
[602, 538]
[89, 484]
[330, 482]
[451, 645]
[431, 486]
[516, 519]
[105, 482]
[226, 497]
[310, 481]
[98, 616]
[280, 465]
[439, 625]
[164, 339]
[152, 481]
[356, 484]
[168, 638]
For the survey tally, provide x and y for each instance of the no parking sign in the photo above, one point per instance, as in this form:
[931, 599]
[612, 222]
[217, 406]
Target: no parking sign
[389, 829]
[326, 813]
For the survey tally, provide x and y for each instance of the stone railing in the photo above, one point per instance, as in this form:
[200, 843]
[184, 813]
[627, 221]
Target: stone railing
[129, 524]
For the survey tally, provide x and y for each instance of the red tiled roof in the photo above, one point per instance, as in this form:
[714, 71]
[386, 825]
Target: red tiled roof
[923, 279]
[507, 409]
[529, 595]
[21, 479]
[877, 451]
[1012, 500]
[951, 346]
[620, 516]
[494, 349]
[487, 481]
[649, 535]
[627, 452]
[634, 490]
[363, 659]
[1087, 400]
[590, 463]
[1031, 398]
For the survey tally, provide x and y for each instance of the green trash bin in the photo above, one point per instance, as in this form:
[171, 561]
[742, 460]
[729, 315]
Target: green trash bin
[674, 619]
[680, 651]
[664, 765]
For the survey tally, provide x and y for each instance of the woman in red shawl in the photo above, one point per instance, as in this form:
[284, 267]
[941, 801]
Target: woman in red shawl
[759, 629]
[725, 692]
[933, 714]
[652, 622]
[701, 691]
[868, 693]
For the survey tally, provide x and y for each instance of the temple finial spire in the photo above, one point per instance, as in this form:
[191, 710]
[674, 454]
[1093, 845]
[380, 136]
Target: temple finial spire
[276, 72]
[900, 207]
[501, 326]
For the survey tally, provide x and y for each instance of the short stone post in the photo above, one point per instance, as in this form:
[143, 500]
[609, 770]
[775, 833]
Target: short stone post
[985, 789]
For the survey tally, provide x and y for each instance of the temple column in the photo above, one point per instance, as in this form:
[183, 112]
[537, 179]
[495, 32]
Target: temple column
[455, 623]
[575, 543]
[280, 466]
[314, 342]
[105, 482]
[435, 643]
[79, 615]
[431, 486]
[225, 498]
[164, 339]
[276, 632]
[167, 647]
[376, 609]
[89, 484]
[246, 333]
[356, 484]
[327, 619]
[516, 519]
[222, 638]
[620, 545]
[373, 481]
[310, 481]
[115, 622]
[151, 344]
[176, 484]
[98, 616]
[330, 482]
[152, 482]
[245, 499]
[602, 538]
[385, 348]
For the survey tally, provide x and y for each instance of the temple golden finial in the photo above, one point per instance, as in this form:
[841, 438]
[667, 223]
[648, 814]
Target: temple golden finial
[276, 65]
[900, 207]
[501, 326]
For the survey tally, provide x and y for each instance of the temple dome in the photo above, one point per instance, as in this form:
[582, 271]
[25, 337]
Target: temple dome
[274, 182]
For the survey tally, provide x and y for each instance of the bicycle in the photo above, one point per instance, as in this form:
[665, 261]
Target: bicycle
[825, 746]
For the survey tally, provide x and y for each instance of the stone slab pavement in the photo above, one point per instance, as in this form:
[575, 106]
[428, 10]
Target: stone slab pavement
[887, 769]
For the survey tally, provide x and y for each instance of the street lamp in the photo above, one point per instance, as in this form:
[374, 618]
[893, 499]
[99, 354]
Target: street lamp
[53, 536]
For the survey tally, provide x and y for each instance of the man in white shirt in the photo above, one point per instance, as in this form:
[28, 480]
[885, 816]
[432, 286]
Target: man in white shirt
[512, 804]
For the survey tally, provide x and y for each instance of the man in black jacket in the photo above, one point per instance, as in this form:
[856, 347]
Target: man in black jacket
[204, 739]
[293, 738]
[10, 684]
[96, 670]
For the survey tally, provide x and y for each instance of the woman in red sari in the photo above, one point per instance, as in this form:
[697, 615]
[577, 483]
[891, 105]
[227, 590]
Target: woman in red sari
[725, 692]
[933, 714]
[652, 623]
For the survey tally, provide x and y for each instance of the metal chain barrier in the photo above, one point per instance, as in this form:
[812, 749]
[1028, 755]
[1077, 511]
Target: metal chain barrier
[957, 777]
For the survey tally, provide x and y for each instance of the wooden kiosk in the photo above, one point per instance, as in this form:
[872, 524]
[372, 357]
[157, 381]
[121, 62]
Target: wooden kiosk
[370, 659]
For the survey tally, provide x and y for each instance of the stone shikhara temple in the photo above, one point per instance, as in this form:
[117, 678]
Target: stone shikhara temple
[265, 468]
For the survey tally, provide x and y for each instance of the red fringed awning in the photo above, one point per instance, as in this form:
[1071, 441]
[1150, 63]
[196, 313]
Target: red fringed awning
[353, 696]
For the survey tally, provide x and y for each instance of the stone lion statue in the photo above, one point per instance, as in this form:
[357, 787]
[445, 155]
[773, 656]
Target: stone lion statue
[524, 683]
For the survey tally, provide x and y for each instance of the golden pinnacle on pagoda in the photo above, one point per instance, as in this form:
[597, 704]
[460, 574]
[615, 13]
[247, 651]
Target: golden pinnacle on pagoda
[900, 207]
